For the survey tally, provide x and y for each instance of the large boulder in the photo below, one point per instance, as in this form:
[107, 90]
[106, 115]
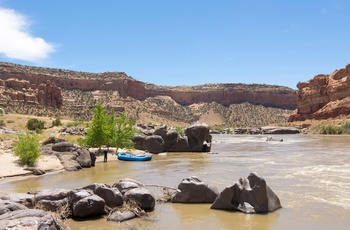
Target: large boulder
[62, 146]
[196, 139]
[193, 190]
[161, 131]
[248, 195]
[72, 157]
[84, 157]
[84, 203]
[137, 192]
[112, 196]
[142, 196]
[28, 219]
[20, 198]
[126, 184]
[174, 142]
[9, 206]
[139, 141]
[51, 199]
[154, 144]
[199, 138]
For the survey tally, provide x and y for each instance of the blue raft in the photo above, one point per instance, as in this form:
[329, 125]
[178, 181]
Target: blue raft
[131, 157]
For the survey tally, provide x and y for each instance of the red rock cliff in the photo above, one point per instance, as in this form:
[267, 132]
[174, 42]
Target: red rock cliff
[47, 94]
[324, 96]
[226, 94]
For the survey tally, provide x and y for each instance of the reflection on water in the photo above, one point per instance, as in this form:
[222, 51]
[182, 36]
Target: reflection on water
[309, 173]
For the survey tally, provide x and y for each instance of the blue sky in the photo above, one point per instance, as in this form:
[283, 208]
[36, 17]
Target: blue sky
[180, 42]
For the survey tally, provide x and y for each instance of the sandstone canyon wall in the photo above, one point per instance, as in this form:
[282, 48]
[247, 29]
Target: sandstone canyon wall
[226, 94]
[324, 96]
[45, 94]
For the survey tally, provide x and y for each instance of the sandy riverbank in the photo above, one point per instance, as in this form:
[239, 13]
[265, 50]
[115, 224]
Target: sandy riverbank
[11, 170]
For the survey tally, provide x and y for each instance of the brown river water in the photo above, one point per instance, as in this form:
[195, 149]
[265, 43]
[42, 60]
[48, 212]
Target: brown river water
[309, 173]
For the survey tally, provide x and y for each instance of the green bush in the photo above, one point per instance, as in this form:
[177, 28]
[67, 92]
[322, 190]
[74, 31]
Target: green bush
[346, 127]
[330, 129]
[27, 148]
[2, 123]
[74, 123]
[56, 122]
[180, 131]
[35, 124]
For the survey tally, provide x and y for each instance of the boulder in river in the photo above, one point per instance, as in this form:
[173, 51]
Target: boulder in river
[134, 190]
[20, 217]
[193, 190]
[248, 195]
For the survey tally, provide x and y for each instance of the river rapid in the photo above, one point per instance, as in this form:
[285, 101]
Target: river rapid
[309, 173]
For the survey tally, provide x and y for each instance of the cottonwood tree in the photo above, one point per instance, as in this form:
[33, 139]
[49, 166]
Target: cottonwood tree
[107, 129]
[98, 132]
[122, 132]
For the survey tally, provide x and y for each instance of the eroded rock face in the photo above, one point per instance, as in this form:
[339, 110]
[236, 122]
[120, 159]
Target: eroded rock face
[324, 96]
[46, 93]
[126, 86]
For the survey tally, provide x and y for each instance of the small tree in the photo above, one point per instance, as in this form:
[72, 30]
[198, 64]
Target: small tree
[27, 148]
[123, 132]
[98, 132]
[108, 130]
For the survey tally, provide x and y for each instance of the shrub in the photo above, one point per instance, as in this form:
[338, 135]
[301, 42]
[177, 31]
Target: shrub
[330, 129]
[2, 123]
[74, 123]
[27, 148]
[180, 131]
[34, 124]
[56, 122]
[346, 127]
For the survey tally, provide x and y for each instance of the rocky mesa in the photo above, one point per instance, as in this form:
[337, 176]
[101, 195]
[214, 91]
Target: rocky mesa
[324, 96]
[126, 86]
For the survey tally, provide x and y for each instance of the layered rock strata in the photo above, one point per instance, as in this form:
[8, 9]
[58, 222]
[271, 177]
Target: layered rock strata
[225, 94]
[45, 93]
[324, 96]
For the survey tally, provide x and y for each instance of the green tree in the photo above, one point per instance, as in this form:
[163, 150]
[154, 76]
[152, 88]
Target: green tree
[107, 129]
[27, 148]
[122, 132]
[98, 131]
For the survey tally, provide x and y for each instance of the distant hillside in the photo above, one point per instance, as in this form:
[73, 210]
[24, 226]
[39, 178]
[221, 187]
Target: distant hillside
[215, 104]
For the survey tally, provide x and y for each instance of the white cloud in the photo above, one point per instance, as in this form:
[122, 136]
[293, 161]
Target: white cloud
[15, 40]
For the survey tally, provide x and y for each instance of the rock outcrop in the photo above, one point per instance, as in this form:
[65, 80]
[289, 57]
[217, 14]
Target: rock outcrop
[46, 93]
[324, 96]
[71, 156]
[196, 138]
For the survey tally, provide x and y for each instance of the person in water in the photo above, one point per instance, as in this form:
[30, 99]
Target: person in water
[105, 155]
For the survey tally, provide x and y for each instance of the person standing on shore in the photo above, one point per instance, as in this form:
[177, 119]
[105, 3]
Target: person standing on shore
[105, 155]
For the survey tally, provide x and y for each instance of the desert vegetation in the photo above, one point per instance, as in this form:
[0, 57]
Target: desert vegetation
[343, 128]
